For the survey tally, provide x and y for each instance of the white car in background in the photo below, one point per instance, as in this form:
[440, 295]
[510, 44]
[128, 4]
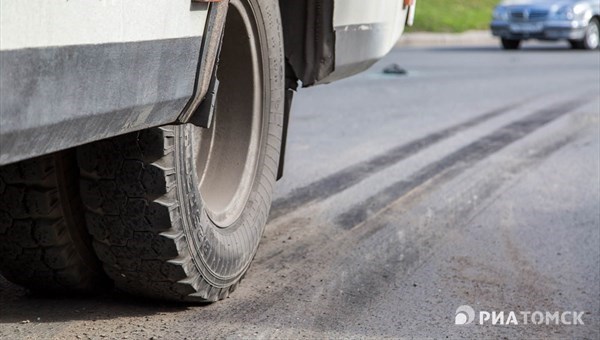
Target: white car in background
[141, 140]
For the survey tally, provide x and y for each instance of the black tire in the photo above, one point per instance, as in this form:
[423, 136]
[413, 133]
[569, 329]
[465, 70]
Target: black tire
[169, 221]
[510, 44]
[591, 38]
[44, 244]
[576, 44]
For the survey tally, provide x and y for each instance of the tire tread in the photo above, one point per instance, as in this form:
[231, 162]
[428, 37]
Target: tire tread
[37, 249]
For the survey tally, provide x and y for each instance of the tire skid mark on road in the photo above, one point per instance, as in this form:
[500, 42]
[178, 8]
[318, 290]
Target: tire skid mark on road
[396, 259]
[457, 162]
[347, 177]
[350, 271]
[353, 272]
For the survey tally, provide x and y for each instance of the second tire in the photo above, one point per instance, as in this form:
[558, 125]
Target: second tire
[177, 212]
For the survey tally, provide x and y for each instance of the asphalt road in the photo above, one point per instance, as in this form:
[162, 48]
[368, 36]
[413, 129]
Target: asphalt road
[473, 180]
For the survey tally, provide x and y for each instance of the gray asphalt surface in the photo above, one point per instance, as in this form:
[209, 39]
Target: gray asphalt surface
[473, 180]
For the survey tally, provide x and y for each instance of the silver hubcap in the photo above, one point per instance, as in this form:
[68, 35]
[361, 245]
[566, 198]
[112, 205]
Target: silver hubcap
[226, 155]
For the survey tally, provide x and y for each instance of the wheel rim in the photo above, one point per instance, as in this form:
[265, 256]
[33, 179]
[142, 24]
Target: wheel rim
[226, 155]
[593, 36]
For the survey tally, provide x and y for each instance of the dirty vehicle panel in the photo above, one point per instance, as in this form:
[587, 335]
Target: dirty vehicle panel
[140, 142]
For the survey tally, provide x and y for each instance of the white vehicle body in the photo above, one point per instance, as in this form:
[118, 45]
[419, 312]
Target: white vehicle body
[76, 71]
[365, 32]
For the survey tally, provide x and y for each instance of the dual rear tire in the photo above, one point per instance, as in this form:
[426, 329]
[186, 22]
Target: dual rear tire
[177, 212]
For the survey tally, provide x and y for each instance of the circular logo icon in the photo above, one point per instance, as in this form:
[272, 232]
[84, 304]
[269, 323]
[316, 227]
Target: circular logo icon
[464, 315]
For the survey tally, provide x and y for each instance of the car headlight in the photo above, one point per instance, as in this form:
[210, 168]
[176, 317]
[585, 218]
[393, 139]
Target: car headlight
[500, 13]
[565, 12]
[570, 12]
[582, 11]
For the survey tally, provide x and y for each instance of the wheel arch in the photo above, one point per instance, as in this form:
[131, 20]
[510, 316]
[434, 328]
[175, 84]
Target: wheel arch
[309, 42]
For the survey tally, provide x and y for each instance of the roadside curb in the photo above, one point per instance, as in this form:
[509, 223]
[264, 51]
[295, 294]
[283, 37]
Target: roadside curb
[469, 38]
